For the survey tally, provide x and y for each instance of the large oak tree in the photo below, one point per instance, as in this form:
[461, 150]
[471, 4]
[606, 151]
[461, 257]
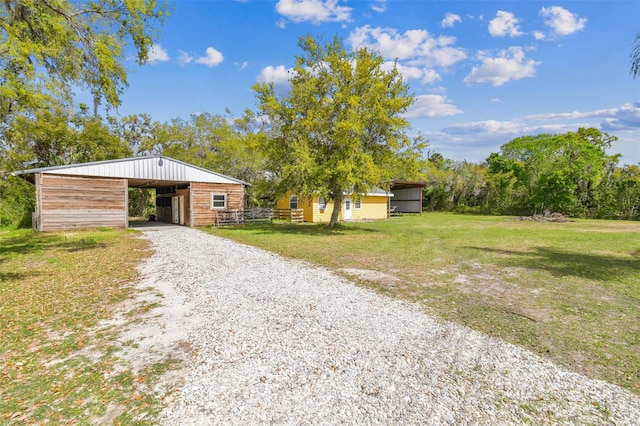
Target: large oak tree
[340, 129]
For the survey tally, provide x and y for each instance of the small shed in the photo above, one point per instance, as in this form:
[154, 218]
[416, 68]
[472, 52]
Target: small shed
[407, 196]
[93, 195]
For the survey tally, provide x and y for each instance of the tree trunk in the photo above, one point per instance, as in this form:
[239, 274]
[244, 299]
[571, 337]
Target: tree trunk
[337, 207]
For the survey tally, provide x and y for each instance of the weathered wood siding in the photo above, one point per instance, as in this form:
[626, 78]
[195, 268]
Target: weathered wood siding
[200, 201]
[69, 202]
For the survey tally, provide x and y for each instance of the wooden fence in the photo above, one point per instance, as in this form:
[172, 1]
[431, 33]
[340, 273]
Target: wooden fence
[240, 217]
[257, 215]
[295, 215]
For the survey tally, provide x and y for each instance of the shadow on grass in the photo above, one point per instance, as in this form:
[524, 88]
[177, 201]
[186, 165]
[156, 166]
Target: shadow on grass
[14, 276]
[33, 243]
[315, 229]
[565, 263]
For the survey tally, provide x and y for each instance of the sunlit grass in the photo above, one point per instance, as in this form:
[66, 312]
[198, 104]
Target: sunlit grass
[54, 287]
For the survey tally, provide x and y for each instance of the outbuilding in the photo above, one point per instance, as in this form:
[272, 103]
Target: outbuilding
[407, 196]
[93, 195]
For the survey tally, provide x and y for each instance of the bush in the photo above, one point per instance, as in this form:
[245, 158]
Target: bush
[17, 201]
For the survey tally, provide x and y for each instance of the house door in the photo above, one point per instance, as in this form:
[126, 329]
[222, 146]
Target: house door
[347, 208]
[177, 210]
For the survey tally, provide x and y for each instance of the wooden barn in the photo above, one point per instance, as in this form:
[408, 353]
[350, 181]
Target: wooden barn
[93, 195]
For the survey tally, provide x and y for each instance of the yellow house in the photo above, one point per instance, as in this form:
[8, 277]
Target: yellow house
[374, 205]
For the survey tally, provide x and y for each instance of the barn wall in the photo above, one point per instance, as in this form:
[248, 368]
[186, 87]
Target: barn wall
[70, 202]
[200, 200]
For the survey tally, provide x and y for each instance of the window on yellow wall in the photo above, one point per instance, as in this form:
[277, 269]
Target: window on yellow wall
[322, 204]
[357, 204]
[293, 202]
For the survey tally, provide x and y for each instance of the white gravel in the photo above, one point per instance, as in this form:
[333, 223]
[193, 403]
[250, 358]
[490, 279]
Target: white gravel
[270, 340]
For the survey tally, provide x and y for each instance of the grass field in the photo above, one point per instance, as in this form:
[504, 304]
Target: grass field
[567, 291]
[54, 366]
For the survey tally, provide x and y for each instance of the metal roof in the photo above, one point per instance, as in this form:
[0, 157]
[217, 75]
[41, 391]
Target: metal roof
[141, 171]
[377, 192]
[405, 184]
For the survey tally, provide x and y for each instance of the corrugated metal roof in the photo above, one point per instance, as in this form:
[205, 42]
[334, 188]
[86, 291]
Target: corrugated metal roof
[145, 168]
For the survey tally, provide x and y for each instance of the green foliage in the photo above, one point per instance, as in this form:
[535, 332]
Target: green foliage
[16, 202]
[141, 202]
[556, 173]
[223, 144]
[50, 47]
[618, 195]
[568, 173]
[54, 137]
[341, 128]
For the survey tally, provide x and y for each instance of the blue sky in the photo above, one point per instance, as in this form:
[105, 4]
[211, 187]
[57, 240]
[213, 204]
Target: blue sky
[482, 72]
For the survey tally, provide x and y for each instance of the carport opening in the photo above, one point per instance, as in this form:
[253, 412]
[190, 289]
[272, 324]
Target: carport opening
[166, 202]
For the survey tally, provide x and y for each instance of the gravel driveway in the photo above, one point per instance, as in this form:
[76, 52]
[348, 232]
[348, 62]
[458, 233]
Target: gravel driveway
[268, 340]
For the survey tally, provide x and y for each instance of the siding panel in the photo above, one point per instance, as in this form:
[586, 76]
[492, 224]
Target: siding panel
[202, 213]
[69, 202]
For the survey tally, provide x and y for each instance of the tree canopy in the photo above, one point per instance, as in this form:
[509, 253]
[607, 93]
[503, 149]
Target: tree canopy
[48, 48]
[340, 130]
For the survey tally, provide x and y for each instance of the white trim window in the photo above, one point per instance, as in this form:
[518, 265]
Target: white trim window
[218, 201]
[293, 202]
[322, 203]
[357, 204]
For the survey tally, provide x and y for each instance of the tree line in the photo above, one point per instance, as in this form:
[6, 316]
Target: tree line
[340, 129]
[568, 173]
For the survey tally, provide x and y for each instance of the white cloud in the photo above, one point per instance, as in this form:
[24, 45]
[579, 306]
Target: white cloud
[379, 6]
[432, 106]
[539, 35]
[185, 58]
[486, 126]
[509, 65]
[212, 58]
[416, 45]
[279, 75]
[243, 65]
[429, 76]
[625, 117]
[561, 21]
[157, 54]
[450, 19]
[474, 141]
[504, 24]
[314, 11]
[425, 75]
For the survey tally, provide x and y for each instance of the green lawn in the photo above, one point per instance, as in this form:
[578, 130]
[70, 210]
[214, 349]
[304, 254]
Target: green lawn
[568, 291]
[54, 287]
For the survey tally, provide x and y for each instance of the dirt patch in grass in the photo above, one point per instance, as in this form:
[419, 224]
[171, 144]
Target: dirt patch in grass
[384, 279]
[64, 299]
